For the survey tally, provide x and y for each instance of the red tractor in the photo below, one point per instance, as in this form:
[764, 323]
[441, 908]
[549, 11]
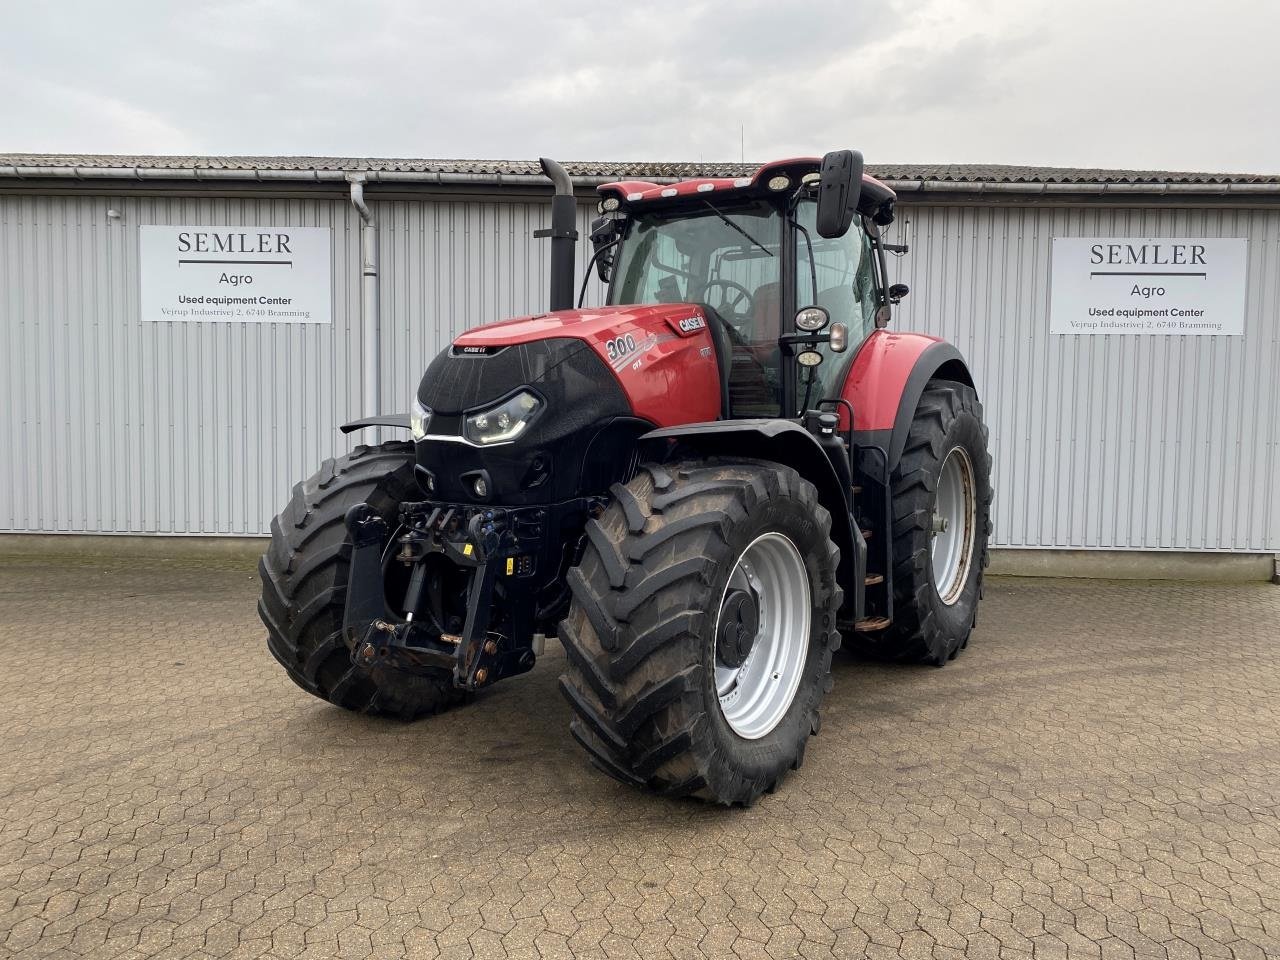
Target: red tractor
[699, 489]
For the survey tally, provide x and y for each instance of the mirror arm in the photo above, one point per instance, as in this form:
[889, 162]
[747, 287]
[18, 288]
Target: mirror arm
[813, 266]
[789, 340]
[582, 293]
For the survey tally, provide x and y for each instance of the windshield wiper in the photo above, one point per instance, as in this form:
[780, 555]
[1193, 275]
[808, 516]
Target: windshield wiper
[711, 207]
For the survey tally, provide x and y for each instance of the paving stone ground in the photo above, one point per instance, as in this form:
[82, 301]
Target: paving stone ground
[1097, 776]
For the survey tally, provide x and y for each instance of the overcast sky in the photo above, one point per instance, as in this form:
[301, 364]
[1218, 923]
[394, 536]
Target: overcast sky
[1166, 84]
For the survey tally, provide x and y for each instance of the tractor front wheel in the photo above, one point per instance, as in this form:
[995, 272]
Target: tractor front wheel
[304, 586]
[703, 621]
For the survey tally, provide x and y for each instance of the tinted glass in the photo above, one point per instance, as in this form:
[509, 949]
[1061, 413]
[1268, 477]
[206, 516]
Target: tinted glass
[846, 286]
[728, 259]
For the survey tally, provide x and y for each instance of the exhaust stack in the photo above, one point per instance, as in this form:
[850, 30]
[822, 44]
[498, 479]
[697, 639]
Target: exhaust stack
[563, 234]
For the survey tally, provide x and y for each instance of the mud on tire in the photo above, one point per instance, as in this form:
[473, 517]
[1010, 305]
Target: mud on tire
[640, 634]
[925, 628]
[304, 586]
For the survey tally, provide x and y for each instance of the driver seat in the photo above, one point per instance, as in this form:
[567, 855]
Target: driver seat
[743, 389]
[766, 317]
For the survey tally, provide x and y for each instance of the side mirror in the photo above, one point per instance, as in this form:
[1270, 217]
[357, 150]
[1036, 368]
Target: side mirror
[897, 291]
[839, 188]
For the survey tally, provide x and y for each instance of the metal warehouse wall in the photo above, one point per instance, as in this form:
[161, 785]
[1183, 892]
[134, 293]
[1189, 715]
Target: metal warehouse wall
[1116, 441]
[447, 266]
[114, 425]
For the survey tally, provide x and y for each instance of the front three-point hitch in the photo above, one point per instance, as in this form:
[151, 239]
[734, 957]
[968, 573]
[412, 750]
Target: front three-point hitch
[437, 544]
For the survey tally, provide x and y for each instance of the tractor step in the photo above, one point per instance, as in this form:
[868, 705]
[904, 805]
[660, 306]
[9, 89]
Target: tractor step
[873, 579]
[867, 624]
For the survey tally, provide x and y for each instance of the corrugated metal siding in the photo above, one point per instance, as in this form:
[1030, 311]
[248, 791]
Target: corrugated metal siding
[450, 265]
[119, 426]
[1140, 442]
[113, 425]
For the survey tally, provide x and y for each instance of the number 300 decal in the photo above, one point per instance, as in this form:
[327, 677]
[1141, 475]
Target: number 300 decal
[620, 346]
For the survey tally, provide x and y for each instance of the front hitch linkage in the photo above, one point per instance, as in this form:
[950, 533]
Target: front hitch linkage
[367, 630]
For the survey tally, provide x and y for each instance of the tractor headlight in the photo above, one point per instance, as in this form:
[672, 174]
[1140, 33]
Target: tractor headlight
[419, 419]
[504, 421]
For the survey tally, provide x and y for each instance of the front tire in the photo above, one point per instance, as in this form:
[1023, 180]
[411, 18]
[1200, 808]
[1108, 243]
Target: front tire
[304, 586]
[703, 621]
[941, 523]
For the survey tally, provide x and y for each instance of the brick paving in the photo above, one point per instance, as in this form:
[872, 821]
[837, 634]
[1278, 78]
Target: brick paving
[1097, 776]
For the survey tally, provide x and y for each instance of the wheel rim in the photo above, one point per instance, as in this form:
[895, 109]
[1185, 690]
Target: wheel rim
[755, 695]
[953, 526]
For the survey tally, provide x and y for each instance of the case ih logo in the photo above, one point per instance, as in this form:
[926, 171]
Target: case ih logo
[690, 324]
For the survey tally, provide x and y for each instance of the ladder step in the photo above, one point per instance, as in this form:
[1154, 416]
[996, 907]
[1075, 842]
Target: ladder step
[872, 579]
[867, 624]
[857, 488]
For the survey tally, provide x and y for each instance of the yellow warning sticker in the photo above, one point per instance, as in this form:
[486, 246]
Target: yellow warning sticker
[466, 550]
[511, 565]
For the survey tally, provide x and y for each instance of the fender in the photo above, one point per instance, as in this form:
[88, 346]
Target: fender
[398, 420]
[885, 381]
[783, 441]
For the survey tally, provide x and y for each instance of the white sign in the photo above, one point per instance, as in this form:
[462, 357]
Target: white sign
[1166, 285]
[246, 273]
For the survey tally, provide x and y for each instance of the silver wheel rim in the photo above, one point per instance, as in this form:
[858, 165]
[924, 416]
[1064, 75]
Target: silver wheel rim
[755, 696]
[953, 526]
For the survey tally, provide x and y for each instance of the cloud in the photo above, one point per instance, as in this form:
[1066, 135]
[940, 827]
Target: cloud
[57, 118]
[1146, 84]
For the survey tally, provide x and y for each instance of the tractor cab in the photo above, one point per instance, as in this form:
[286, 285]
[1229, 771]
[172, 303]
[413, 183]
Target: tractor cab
[749, 253]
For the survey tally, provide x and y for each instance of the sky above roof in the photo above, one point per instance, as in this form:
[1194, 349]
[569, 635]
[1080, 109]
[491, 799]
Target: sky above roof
[1173, 84]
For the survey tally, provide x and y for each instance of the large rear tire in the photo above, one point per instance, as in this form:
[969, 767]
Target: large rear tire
[941, 523]
[304, 586]
[703, 621]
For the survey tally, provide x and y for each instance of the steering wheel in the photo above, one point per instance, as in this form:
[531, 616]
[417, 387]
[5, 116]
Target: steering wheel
[736, 299]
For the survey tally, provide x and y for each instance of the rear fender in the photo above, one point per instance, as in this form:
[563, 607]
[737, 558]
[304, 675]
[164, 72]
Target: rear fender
[782, 441]
[886, 380]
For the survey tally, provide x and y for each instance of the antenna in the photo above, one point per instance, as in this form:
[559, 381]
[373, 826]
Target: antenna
[742, 142]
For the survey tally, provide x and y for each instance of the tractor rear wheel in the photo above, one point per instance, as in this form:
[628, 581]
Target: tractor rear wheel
[703, 621]
[942, 495]
[304, 586]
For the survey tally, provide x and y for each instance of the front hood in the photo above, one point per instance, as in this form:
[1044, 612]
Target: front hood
[553, 459]
[591, 325]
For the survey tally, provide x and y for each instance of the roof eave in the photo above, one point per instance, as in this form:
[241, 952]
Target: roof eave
[903, 187]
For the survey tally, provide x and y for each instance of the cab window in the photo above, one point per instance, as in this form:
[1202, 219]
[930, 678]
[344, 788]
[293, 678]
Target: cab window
[839, 275]
[729, 259]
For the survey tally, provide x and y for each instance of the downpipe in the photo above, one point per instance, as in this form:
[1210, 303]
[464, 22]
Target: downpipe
[370, 322]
